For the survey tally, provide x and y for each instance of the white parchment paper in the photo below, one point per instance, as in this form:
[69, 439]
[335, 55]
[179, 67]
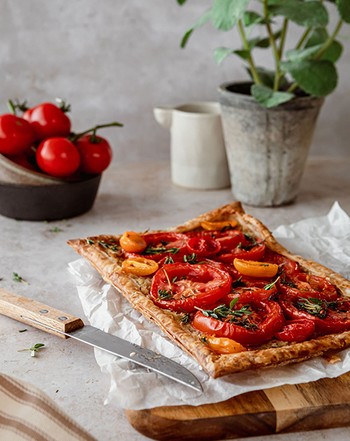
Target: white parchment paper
[325, 239]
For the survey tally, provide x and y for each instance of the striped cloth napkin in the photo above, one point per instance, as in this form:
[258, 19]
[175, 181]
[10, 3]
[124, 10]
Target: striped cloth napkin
[27, 414]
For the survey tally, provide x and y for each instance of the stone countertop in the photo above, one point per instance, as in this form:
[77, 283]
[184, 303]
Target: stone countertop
[132, 196]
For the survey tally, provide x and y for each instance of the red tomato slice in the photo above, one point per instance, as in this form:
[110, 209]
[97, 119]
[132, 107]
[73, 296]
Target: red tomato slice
[308, 286]
[167, 244]
[234, 244]
[329, 317]
[296, 330]
[264, 320]
[182, 287]
[203, 246]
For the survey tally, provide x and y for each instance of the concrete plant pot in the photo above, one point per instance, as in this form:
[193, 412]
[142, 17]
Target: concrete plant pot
[266, 148]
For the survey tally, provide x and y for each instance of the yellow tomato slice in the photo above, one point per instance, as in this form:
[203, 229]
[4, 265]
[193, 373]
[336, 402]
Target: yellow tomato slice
[255, 269]
[139, 266]
[218, 225]
[132, 242]
[223, 345]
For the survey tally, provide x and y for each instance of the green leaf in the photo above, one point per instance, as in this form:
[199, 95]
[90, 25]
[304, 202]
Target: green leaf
[332, 53]
[221, 53]
[263, 43]
[267, 97]
[304, 13]
[181, 2]
[251, 18]
[226, 13]
[317, 36]
[200, 22]
[315, 77]
[242, 53]
[344, 9]
[267, 77]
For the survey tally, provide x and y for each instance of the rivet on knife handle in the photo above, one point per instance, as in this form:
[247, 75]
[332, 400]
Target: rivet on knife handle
[34, 313]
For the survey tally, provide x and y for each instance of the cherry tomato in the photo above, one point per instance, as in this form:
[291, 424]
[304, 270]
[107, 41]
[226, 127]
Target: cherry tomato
[183, 287]
[139, 266]
[16, 134]
[223, 345]
[95, 153]
[203, 246]
[48, 120]
[218, 225]
[289, 267]
[296, 330]
[255, 269]
[132, 242]
[58, 157]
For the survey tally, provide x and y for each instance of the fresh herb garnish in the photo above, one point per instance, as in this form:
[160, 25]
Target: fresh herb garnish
[34, 349]
[23, 330]
[164, 294]
[270, 285]
[160, 250]
[55, 230]
[168, 260]
[190, 258]
[90, 241]
[108, 246]
[313, 306]
[185, 318]
[17, 278]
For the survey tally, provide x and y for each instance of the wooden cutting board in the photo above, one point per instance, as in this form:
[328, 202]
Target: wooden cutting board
[317, 405]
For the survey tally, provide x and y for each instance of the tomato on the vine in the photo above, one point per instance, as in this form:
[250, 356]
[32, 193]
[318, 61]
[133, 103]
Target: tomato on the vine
[48, 121]
[182, 287]
[16, 134]
[95, 153]
[58, 157]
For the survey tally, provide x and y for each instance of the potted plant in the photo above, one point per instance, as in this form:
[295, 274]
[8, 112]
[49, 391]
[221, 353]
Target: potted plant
[269, 120]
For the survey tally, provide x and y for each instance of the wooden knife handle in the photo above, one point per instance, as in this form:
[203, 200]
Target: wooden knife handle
[26, 310]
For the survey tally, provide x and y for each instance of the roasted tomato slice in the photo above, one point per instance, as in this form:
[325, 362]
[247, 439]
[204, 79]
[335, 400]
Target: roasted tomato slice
[235, 244]
[182, 287]
[139, 266]
[203, 246]
[296, 330]
[308, 286]
[329, 317]
[165, 244]
[250, 324]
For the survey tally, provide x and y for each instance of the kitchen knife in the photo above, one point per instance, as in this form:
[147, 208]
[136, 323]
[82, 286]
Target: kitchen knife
[64, 325]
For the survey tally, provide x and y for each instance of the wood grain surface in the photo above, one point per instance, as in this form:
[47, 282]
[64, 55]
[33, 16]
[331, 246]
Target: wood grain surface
[317, 405]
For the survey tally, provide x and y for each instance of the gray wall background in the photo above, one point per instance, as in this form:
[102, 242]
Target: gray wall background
[116, 60]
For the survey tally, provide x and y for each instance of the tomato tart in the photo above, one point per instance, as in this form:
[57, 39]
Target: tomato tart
[223, 289]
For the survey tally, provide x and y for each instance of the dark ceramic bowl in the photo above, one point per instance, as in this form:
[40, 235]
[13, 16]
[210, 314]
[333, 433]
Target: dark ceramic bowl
[48, 202]
[31, 195]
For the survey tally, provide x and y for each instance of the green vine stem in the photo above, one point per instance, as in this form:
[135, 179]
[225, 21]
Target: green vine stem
[93, 131]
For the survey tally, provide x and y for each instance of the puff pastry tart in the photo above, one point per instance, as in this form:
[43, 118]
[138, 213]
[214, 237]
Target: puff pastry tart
[223, 289]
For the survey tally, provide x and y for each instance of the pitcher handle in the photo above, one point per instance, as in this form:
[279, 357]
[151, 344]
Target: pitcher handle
[163, 116]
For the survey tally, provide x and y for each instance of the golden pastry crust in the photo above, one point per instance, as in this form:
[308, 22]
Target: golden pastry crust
[104, 253]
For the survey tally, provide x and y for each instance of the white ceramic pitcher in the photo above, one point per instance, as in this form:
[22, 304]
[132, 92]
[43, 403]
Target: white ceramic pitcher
[197, 149]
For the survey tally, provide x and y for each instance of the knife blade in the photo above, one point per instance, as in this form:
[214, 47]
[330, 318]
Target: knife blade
[65, 325]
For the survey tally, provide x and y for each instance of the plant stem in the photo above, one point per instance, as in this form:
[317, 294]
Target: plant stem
[329, 41]
[253, 70]
[275, 50]
[303, 38]
[283, 37]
